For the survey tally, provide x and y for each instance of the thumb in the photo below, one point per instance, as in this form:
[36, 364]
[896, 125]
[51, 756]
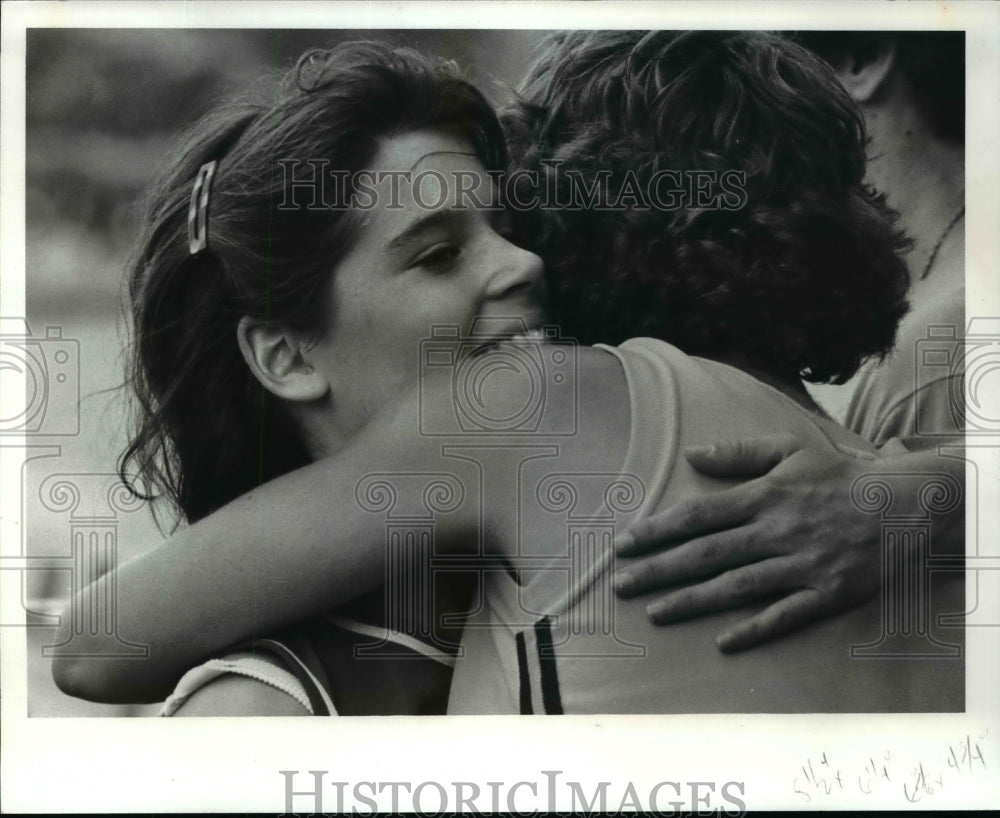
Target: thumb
[750, 457]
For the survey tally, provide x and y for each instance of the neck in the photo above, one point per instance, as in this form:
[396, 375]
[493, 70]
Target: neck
[323, 432]
[790, 387]
[922, 176]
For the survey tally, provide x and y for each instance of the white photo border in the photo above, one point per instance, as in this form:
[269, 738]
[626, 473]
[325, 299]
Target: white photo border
[232, 765]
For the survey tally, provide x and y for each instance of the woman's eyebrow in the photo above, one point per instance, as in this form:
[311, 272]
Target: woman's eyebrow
[432, 154]
[413, 231]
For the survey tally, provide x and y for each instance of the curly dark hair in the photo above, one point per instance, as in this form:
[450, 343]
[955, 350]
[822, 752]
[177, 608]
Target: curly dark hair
[800, 275]
[205, 430]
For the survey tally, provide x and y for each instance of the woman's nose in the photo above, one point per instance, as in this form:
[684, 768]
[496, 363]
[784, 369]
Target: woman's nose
[515, 270]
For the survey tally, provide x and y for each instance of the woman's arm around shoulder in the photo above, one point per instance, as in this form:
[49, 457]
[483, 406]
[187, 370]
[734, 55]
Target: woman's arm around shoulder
[295, 547]
[315, 539]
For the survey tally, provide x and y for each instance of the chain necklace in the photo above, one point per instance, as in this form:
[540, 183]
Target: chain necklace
[944, 234]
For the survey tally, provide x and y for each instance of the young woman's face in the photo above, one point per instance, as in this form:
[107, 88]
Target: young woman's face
[425, 258]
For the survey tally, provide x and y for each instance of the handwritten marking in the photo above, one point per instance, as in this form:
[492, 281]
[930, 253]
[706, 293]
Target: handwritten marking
[819, 778]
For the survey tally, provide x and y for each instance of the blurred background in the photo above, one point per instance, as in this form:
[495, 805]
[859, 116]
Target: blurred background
[103, 107]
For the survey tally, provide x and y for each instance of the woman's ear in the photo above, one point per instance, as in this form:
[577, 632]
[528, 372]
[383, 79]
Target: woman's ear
[274, 355]
[863, 73]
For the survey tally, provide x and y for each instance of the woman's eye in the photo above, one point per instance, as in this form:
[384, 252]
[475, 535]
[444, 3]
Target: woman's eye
[440, 257]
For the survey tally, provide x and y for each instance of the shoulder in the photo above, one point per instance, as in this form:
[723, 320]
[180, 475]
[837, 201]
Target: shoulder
[230, 693]
[525, 388]
[240, 696]
[914, 391]
[933, 316]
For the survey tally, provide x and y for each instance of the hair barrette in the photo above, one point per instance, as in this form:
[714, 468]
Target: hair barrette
[198, 210]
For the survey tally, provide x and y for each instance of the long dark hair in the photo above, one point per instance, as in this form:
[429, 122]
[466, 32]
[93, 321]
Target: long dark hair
[803, 279]
[205, 431]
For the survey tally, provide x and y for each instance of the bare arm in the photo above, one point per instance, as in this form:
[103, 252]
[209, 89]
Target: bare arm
[232, 695]
[795, 531]
[238, 696]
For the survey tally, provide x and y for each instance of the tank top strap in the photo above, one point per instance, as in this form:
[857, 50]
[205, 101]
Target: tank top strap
[389, 635]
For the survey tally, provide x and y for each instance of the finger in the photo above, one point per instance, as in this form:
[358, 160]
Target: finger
[729, 590]
[750, 457]
[690, 518]
[785, 615]
[704, 557]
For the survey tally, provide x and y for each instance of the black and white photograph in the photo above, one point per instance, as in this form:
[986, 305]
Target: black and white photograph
[638, 365]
